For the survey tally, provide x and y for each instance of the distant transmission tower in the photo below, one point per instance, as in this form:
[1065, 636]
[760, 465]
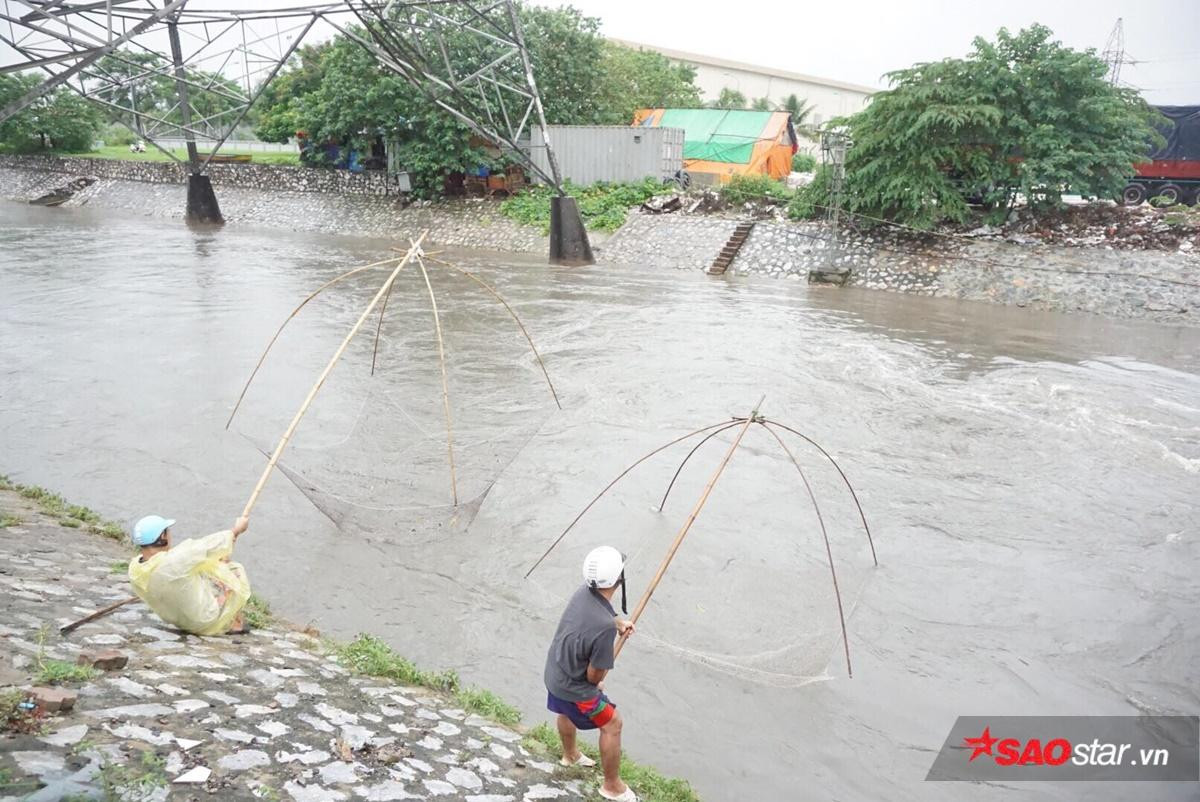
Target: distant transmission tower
[1114, 52]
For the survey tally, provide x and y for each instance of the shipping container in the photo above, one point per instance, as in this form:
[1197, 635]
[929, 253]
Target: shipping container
[590, 153]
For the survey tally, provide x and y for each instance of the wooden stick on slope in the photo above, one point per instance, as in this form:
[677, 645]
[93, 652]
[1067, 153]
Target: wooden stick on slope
[90, 617]
[291, 429]
[662, 568]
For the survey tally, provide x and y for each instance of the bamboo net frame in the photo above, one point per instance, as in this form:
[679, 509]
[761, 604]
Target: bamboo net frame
[743, 424]
[446, 402]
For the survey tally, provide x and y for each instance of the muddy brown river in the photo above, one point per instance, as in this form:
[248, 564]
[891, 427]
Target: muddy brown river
[1031, 481]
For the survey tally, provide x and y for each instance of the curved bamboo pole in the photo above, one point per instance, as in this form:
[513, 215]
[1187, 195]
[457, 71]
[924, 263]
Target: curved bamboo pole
[288, 319]
[379, 328]
[695, 448]
[849, 486]
[520, 325]
[662, 568]
[413, 251]
[837, 593]
[609, 486]
[437, 325]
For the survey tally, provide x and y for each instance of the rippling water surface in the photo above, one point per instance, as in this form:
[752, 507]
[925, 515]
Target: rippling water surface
[1031, 481]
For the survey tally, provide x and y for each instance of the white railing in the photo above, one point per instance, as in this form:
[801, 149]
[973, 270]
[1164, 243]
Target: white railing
[231, 145]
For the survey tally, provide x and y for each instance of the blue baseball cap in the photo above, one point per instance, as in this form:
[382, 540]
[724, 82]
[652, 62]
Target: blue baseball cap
[150, 528]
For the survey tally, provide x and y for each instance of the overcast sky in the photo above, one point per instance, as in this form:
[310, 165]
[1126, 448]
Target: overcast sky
[859, 40]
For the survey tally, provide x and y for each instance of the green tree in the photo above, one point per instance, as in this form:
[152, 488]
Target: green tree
[134, 80]
[761, 104]
[1021, 115]
[340, 94]
[59, 120]
[279, 105]
[639, 79]
[800, 110]
[729, 99]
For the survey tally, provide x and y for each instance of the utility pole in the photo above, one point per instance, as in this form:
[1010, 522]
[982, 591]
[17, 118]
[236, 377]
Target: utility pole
[833, 157]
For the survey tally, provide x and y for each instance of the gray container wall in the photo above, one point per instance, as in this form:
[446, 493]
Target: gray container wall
[590, 153]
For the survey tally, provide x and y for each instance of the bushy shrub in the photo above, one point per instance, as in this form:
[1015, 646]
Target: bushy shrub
[602, 206]
[744, 188]
[115, 134]
[804, 163]
[809, 201]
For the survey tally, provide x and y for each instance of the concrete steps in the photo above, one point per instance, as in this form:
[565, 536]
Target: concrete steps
[730, 251]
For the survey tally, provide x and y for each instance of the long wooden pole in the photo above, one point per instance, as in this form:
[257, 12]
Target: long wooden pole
[437, 326]
[413, 251]
[662, 568]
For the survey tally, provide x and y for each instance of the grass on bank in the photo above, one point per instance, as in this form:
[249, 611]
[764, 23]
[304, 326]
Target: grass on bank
[153, 154]
[369, 655]
[257, 613]
[602, 206]
[55, 506]
[649, 784]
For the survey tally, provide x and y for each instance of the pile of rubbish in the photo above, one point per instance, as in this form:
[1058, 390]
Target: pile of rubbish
[1103, 224]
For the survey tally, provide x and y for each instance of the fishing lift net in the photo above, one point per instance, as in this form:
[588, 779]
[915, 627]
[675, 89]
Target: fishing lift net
[412, 429]
[754, 593]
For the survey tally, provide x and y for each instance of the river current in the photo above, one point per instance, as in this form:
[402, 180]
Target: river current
[1031, 481]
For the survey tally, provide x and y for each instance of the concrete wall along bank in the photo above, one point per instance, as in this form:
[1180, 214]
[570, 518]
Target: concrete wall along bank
[250, 176]
[269, 196]
[1163, 286]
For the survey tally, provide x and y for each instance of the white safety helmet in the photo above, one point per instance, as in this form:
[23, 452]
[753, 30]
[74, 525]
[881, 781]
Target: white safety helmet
[603, 566]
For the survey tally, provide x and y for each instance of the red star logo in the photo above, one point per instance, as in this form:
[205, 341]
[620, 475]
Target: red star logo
[982, 745]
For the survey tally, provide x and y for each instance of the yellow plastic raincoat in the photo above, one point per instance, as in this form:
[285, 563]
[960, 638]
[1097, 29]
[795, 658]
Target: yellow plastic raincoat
[193, 585]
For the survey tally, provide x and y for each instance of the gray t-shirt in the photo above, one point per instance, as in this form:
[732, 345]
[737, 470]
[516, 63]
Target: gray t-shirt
[585, 636]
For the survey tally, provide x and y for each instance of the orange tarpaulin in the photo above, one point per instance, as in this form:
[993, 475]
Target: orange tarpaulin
[728, 142]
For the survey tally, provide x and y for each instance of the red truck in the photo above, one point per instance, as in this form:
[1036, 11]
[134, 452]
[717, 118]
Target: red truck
[1173, 172]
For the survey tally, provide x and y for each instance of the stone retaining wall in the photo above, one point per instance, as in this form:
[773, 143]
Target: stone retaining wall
[473, 223]
[1160, 285]
[275, 177]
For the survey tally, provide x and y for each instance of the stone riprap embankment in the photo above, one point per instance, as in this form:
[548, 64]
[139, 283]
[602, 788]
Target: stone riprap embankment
[269, 715]
[1160, 285]
[272, 196]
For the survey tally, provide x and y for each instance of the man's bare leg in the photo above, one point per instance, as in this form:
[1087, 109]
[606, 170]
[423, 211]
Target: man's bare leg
[566, 733]
[610, 754]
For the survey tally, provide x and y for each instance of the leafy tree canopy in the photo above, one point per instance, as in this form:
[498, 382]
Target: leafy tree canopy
[641, 79]
[337, 92]
[59, 120]
[1020, 115]
[729, 99]
[128, 78]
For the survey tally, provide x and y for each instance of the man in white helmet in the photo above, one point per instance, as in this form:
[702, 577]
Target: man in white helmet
[580, 656]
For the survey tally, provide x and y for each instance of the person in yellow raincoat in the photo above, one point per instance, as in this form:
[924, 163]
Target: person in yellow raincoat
[192, 585]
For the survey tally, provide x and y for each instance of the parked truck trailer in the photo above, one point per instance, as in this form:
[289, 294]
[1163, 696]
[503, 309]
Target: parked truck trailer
[1173, 172]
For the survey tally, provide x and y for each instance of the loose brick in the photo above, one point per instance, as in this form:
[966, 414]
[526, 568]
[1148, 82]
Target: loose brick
[103, 659]
[53, 700]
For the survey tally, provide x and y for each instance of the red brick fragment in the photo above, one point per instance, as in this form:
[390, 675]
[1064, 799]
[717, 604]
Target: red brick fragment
[53, 700]
[103, 659]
